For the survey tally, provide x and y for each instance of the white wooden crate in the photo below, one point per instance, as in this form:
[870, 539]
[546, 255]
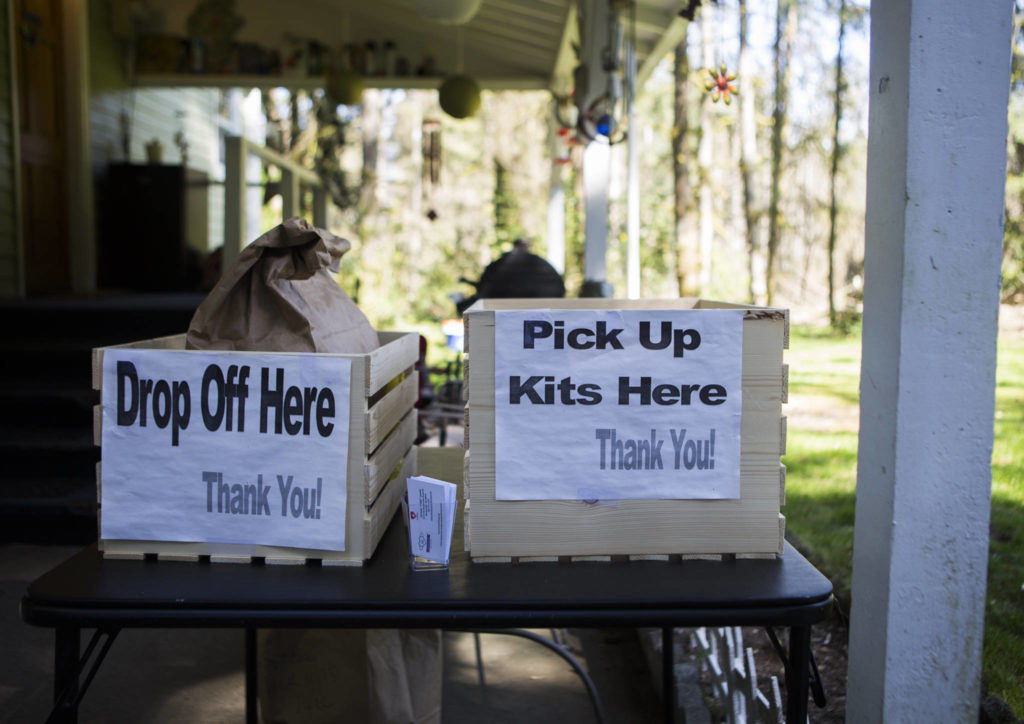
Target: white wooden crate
[751, 526]
[382, 430]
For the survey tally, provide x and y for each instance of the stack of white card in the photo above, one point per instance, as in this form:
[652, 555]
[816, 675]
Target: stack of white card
[431, 516]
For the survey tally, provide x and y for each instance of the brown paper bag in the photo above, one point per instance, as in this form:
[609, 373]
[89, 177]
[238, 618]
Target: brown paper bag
[405, 675]
[376, 676]
[280, 297]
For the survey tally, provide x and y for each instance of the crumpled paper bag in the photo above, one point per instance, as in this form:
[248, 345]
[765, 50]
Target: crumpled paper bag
[375, 676]
[279, 296]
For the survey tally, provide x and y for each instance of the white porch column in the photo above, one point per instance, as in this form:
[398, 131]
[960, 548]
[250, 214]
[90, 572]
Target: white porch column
[556, 221]
[556, 198]
[632, 185]
[936, 170]
[596, 161]
[597, 154]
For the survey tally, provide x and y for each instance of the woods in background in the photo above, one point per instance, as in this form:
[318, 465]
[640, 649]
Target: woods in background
[758, 200]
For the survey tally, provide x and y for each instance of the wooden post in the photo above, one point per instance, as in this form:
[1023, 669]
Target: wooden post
[596, 160]
[291, 194]
[632, 188]
[596, 156]
[556, 199]
[934, 227]
[234, 200]
[320, 207]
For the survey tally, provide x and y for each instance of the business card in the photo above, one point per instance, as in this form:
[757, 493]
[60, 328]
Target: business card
[431, 517]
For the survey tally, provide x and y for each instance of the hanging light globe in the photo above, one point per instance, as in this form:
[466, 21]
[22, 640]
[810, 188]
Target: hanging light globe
[449, 12]
[459, 96]
[345, 87]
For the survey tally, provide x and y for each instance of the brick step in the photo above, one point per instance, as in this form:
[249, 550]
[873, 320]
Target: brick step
[41, 404]
[26, 458]
[124, 317]
[59, 495]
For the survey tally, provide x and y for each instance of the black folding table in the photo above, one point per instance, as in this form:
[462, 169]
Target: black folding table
[88, 591]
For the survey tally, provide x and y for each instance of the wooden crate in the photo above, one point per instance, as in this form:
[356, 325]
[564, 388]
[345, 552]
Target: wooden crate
[381, 454]
[751, 526]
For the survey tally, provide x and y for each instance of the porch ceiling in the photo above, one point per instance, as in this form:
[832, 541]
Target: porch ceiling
[507, 44]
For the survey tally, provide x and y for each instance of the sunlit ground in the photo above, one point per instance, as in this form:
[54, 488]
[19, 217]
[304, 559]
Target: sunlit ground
[821, 464]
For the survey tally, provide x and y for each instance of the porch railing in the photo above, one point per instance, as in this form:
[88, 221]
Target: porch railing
[294, 177]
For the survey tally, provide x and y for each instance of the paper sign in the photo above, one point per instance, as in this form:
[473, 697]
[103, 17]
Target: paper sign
[431, 513]
[232, 448]
[615, 405]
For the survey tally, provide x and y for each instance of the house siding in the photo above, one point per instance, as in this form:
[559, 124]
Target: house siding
[153, 114]
[158, 114]
[10, 267]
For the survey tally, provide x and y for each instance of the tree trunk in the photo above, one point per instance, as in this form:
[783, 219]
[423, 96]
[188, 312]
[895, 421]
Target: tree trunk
[833, 208]
[686, 255]
[705, 161]
[371, 135]
[785, 26]
[749, 164]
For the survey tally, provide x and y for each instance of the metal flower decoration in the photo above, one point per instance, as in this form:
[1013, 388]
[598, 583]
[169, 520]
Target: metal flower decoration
[721, 85]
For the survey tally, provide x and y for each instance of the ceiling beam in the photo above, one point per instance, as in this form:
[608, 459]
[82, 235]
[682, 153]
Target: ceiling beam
[565, 61]
[668, 41]
[651, 20]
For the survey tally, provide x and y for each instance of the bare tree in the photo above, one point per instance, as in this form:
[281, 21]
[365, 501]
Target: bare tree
[371, 137]
[686, 256]
[749, 163]
[705, 160]
[785, 29]
[833, 207]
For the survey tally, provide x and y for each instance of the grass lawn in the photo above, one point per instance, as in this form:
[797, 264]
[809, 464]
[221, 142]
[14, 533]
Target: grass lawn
[821, 464]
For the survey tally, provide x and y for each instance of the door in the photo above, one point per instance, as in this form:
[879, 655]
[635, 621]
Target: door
[41, 124]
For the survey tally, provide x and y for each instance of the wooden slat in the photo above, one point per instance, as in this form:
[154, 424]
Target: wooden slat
[173, 341]
[398, 352]
[582, 303]
[391, 408]
[382, 463]
[379, 517]
[782, 534]
[355, 474]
